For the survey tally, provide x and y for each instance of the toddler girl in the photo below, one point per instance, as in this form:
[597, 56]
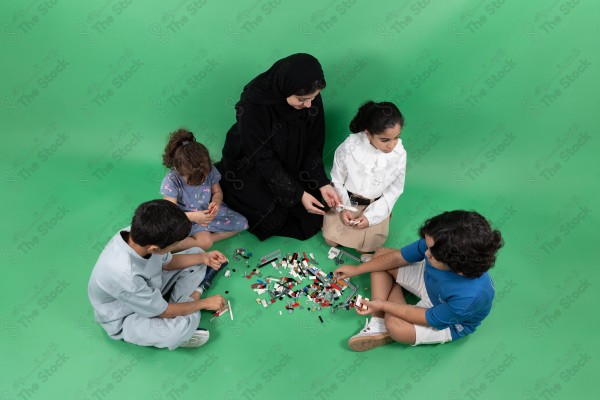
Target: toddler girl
[193, 184]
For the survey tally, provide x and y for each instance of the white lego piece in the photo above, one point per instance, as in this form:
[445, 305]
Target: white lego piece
[359, 304]
[333, 253]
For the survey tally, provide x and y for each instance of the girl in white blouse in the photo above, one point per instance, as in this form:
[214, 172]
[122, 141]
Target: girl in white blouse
[368, 173]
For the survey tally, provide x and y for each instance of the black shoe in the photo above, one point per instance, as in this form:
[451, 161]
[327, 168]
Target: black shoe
[210, 275]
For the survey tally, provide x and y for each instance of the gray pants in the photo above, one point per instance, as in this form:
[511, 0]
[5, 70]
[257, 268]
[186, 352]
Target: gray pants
[167, 332]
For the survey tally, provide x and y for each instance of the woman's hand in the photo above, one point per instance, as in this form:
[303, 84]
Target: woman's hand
[311, 203]
[331, 197]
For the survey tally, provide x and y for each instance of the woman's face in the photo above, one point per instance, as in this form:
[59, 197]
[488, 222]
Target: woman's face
[387, 140]
[300, 102]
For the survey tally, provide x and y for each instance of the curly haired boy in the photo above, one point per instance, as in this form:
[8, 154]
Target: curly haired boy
[446, 268]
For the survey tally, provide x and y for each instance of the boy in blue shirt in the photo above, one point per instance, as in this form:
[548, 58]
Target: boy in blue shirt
[446, 268]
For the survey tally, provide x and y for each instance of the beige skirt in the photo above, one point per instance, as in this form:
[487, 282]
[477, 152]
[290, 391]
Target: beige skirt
[364, 240]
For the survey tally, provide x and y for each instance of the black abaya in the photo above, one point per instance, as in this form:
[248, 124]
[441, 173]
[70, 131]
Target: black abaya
[273, 153]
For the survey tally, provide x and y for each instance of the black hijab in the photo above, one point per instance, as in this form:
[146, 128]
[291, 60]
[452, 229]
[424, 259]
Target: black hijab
[265, 174]
[281, 81]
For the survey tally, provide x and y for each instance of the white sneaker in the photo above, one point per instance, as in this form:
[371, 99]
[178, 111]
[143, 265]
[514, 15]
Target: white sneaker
[366, 257]
[198, 339]
[369, 337]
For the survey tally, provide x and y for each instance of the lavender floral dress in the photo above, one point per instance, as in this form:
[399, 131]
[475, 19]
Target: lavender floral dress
[197, 198]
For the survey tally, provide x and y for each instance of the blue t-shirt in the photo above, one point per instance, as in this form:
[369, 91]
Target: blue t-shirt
[459, 303]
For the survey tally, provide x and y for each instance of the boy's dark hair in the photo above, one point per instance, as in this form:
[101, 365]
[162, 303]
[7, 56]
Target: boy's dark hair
[159, 222]
[187, 156]
[376, 117]
[311, 88]
[464, 241]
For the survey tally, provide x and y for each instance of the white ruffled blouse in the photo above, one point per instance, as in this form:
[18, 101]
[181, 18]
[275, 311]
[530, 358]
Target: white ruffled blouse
[360, 168]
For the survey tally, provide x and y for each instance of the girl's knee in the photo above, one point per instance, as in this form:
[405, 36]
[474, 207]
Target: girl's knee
[203, 241]
[207, 244]
[330, 242]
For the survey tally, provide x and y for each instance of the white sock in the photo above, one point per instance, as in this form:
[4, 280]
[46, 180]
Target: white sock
[377, 324]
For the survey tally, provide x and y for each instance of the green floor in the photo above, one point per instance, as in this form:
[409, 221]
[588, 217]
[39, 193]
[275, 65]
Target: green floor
[499, 97]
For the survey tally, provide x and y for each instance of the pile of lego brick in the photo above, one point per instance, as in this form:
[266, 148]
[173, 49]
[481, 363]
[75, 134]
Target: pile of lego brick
[300, 282]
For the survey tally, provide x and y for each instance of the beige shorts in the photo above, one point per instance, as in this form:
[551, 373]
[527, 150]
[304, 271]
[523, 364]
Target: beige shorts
[365, 240]
[412, 279]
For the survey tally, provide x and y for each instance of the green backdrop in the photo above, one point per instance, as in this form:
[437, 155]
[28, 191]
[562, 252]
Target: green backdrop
[499, 98]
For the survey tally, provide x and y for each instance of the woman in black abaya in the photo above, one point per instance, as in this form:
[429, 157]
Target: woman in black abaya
[272, 167]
